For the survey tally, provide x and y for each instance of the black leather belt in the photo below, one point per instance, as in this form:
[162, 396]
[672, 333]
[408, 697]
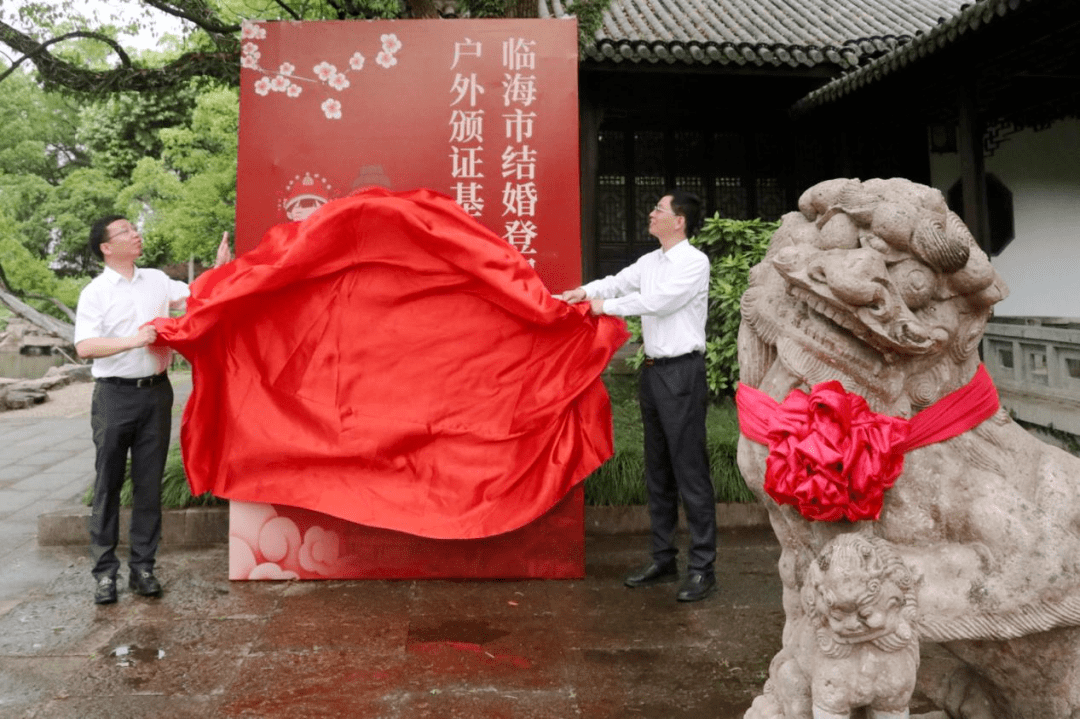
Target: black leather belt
[135, 381]
[650, 361]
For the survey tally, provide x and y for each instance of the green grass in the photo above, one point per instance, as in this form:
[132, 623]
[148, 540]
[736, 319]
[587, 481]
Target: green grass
[621, 480]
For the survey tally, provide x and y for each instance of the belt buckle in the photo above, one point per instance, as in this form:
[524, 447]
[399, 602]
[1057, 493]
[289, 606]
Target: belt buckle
[144, 382]
[649, 361]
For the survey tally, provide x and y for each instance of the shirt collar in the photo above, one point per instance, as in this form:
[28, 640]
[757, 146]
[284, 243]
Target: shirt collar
[114, 277]
[675, 249]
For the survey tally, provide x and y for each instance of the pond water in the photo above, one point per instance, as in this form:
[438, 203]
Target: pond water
[19, 366]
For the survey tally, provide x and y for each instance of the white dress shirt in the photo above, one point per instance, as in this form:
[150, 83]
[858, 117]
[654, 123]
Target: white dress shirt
[669, 290]
[111, 306]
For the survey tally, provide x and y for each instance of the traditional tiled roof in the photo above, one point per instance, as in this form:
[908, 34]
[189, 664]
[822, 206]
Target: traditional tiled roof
[966, 22]
[765, 33]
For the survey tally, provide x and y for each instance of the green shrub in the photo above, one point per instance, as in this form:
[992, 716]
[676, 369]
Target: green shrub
[733, 246]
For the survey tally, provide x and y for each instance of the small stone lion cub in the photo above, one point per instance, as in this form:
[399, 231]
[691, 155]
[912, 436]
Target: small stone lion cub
[857, 644]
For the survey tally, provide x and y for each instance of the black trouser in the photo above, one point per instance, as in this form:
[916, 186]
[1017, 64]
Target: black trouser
[137, 419]
[674, 398]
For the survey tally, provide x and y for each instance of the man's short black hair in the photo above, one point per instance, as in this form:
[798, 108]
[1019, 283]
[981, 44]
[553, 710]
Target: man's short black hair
[688, 206]
[99, 233]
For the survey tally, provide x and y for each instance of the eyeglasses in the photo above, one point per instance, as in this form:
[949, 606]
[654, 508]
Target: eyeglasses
[658, 208]
[121, 233]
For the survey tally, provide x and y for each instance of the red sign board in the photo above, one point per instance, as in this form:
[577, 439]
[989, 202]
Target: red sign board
[484, 111]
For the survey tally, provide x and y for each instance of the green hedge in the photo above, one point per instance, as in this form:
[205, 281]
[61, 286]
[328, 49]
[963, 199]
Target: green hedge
[733, 247]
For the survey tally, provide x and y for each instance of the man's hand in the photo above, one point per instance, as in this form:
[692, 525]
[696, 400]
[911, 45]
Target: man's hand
[597, 306]
[224, 254]
[145, 336]
[572, 296]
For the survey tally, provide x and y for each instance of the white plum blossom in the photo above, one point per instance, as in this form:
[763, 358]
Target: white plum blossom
[262, 85]
[386, 59]
[339, 82]
[294, 90]
[250, 48]
[324, 70]
[390, 43]
[249, 61]
[287, 68]
[356, 62]
[280, 83]
[251, 31]
[332, 109]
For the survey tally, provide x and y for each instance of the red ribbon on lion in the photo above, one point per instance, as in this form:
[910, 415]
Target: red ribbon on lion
[833, 458]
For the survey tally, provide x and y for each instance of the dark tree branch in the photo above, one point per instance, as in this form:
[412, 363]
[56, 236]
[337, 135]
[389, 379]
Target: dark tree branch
[51, 325]
[197, 13]
[223, 64]
[39, 50]
[55, 302]
[295, 15]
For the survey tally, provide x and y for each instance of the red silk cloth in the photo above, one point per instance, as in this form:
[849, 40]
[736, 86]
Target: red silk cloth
[392, 362]
[832, 458]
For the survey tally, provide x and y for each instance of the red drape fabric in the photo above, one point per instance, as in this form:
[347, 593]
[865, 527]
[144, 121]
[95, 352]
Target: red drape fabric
[832, 458]
[392, 362]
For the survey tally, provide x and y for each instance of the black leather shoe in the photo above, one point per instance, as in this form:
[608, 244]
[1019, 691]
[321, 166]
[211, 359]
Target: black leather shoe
[105, 591]
[653, 574]
[697, 586]
[144, 583]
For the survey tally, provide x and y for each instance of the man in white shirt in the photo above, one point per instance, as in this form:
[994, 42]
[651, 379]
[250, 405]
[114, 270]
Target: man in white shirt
[669, 289]
[131, 408]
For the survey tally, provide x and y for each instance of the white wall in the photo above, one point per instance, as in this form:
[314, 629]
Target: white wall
[1042, 264]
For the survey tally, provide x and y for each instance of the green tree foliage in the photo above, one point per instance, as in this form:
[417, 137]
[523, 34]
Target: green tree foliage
[188, 196]
[85, 195]
[733, 246]
[29, 276]
[123, 128]
[77, 49]
[38, 150]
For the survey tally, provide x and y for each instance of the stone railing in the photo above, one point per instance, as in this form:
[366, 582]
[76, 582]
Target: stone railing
[1035, 363]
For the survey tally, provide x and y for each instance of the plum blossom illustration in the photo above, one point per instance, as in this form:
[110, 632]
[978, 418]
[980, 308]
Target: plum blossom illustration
[332, 109]
[339, 82]
[324, 71]
[390, 43]
[386, 59]
[252, 31]
[287, 82]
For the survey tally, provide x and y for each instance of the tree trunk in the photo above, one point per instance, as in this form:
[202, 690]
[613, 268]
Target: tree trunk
[50, 325]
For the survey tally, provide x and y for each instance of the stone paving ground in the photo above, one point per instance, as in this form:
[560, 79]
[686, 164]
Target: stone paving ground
[382, 649]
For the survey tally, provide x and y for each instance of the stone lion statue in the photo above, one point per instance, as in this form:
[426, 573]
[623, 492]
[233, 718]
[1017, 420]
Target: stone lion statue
[864, 319]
